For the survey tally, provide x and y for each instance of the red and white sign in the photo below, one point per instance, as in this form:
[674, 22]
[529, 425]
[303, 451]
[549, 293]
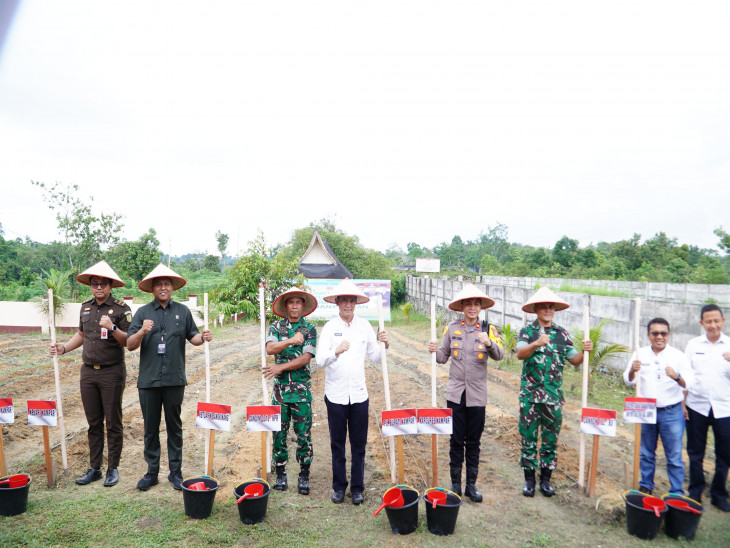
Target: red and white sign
[214, 416]
[640, 410]
[435, 421]
[263, 418]
[42, 413]
[599, 422]
[6, 411]
[399, 422]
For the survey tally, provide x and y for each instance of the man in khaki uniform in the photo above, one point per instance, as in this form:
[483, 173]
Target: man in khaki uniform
[103, 333]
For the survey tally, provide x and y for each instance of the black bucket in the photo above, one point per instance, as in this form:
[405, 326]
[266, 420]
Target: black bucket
[442, 519]
[13, 500]
[199, 504]
[252, 509]
[679, 522]
[404, 519]
[641, 522]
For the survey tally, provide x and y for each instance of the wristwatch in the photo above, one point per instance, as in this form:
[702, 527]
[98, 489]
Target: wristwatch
[114, 328]
[678, 377]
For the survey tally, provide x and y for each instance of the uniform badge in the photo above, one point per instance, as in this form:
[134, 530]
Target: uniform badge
[457, 332]
[87, 308]
[128, 315]
[177, 317]
[111, 311]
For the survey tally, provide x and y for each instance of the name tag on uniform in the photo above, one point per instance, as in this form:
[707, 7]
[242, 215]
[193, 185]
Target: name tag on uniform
[161, 349]
[338, 334]
[85, 313]
[104, 333]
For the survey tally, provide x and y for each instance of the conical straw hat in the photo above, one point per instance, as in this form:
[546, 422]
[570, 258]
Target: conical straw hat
[544, 295]
[103, 270]
[279, 306]
[161, 271]
[347, 287]
[470, 291]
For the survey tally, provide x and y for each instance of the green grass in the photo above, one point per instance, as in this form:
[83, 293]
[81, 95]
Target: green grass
[592, 290]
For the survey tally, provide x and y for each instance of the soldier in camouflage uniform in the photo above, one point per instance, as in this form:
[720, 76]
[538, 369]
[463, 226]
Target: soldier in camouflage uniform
[294, 342]
[544, 347]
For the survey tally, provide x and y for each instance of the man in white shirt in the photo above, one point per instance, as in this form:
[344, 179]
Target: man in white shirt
[665, 374]
[708, 404]
[343, 344]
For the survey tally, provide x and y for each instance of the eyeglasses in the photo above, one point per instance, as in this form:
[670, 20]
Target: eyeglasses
[98, 284]
[659, 333]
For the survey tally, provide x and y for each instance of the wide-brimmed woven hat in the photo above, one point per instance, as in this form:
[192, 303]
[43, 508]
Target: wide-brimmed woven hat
[279, 306]
[544, 295]
[347, 288]
[161, 271]
[470, 291]
[103, 270]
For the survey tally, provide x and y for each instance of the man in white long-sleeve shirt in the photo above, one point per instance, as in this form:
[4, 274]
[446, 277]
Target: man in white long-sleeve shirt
[343, 344]
[708, 405]
[665, 374]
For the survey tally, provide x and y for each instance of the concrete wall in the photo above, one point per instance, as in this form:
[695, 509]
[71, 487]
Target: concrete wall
[509, 298]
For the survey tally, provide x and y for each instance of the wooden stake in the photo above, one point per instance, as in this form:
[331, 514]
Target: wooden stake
[211, 452]
[584, 397]
[434, 437]
[49, 461]
[386, 385]
[594, 466]
[3, 470]
[401, 470]
[637, 429]
[57, 377]
[208, 458]
[265, 451]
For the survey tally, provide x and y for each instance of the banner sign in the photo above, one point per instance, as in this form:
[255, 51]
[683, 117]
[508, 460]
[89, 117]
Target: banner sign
[375, 289]
[214, 416]
[599, 422]
[6, 411]
[428, 265]
[640, 410]
[399, 422]
[434, 421]
[42, 413]
[263, 418]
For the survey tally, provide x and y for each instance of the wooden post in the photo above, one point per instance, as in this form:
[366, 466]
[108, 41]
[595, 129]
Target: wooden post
[211, 452]
[3, 470]
[57, 377]
[265, 464]
[401, 470]
[434, 437]
[584, 397]
[637, 429]
[49, 461]
[208, 457]
[386, 385]
[594, 465]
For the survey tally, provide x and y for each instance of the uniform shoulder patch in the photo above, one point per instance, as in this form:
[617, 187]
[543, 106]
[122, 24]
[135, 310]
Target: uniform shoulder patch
[494, 336]
[446, 330]
[119, 302]
[128, 315]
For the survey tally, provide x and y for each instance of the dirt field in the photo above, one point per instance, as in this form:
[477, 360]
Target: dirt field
[504, 518]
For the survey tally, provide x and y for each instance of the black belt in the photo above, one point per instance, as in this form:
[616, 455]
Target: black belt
[101, 366]
[669, 406]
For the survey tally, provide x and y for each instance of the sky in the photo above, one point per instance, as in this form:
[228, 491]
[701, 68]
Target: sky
[401, 121]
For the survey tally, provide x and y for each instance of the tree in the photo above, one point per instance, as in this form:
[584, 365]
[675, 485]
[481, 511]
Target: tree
[565, 251]
[211, 263]
[222, 245]
[85, 234]
[724, 242]
[136, 259]
[59, 282]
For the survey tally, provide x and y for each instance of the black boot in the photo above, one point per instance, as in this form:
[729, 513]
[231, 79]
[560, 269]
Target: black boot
[280, 484]
[304, 480]
[528, 489]
[545, 486]
[456, 479]
[471, 489]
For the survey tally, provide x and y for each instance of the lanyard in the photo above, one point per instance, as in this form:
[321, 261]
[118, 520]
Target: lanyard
[163, 324]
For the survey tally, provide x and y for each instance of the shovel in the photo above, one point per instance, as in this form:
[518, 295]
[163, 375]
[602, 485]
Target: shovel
[253, 490]
[393, 498]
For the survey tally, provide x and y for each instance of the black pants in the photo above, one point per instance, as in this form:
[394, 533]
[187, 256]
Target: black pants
[101, 394]
[153, 401]
[697, 427]
[341, 417]
[467, 432]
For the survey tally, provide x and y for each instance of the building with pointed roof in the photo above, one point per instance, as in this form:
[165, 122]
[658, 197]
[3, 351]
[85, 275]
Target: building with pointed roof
[319, 261]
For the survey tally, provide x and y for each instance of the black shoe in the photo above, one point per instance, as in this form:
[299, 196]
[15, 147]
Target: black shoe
[471, 490]
[147, 481]
[303, 486]
[281, 483]
[696, 497]
[645, 490]
[357, 498]
[528, 489]
[112, 477]
[176, 478]
[545, 487]
[93, 474]
[721, 504]
[455, 472]
[338, 496]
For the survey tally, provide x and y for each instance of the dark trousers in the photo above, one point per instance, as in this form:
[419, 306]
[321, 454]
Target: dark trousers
[466, 434]
[341, 417]
[697, 426]
[153, 401]
[101, 394]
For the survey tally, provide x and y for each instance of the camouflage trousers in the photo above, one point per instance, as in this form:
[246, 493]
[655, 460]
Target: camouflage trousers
[547, 418]
[300, 414]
